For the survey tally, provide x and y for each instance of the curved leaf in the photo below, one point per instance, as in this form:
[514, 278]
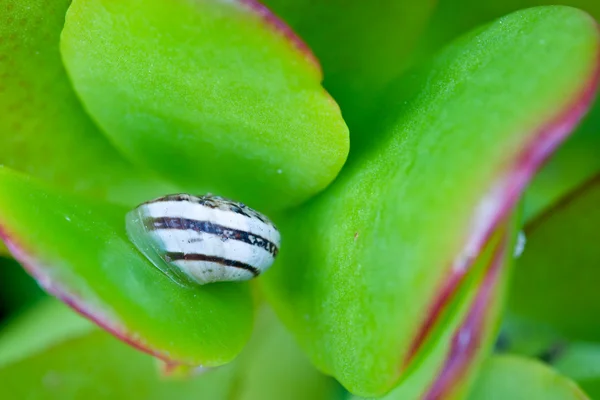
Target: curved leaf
[576, 160]
[448, 368]
[45, 131]
[78, 251]
[517, 378]
[473, 339]
[215, 95]
[388, 244]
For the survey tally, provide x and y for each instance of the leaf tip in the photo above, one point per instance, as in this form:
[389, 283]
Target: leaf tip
[279, 25]
[72, 300]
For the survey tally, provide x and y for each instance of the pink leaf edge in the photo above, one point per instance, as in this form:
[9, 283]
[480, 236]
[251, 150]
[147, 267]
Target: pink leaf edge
[36, 269]
[467, 339]
[282, 27]
[504, 194]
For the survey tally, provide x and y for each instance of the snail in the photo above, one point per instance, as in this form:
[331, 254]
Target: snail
[205, 239]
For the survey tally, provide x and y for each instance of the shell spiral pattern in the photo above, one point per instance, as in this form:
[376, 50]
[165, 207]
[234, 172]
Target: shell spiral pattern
[203, 239]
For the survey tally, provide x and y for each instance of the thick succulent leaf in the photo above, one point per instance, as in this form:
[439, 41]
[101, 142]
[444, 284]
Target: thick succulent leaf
[215, 95]
[556, 281]
[362, 46]
[270, 368]
[517, 378]
[474, 338]
[448, 369]
[574, 162]
[44, 130]
[78, 251]
[571, 166]
[379, 253]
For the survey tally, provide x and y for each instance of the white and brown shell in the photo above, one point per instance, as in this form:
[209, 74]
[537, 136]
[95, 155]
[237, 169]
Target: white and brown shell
[203, 239]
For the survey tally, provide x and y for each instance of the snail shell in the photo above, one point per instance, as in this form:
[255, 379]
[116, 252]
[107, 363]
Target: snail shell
[203, 239]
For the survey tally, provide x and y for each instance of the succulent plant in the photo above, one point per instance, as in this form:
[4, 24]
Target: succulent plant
[407, 151]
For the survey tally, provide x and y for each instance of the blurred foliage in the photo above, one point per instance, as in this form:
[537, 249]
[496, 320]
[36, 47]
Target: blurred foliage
[72, 356]
[517, 378]
[556, 279]
[17, 289]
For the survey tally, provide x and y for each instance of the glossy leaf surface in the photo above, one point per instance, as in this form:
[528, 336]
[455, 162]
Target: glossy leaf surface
[392, 238]
[44, 130]
[216, 96]
[78, 250]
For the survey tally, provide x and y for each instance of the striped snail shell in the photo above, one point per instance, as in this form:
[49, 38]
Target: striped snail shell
[199, 240]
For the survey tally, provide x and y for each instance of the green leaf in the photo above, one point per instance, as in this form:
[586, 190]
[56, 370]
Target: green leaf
[526, 337]
[78, 251]
[575, 161]
[516, 378]
[447, 370]
[93, 364]
[362, 45]
[45, 131]
[43, 326]
[573, 164]
[396, 233]
[581, 362]
[89, 363]
[215, 95]
[556, 279]
[17, 289]
[272, 366]
[3, 250]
